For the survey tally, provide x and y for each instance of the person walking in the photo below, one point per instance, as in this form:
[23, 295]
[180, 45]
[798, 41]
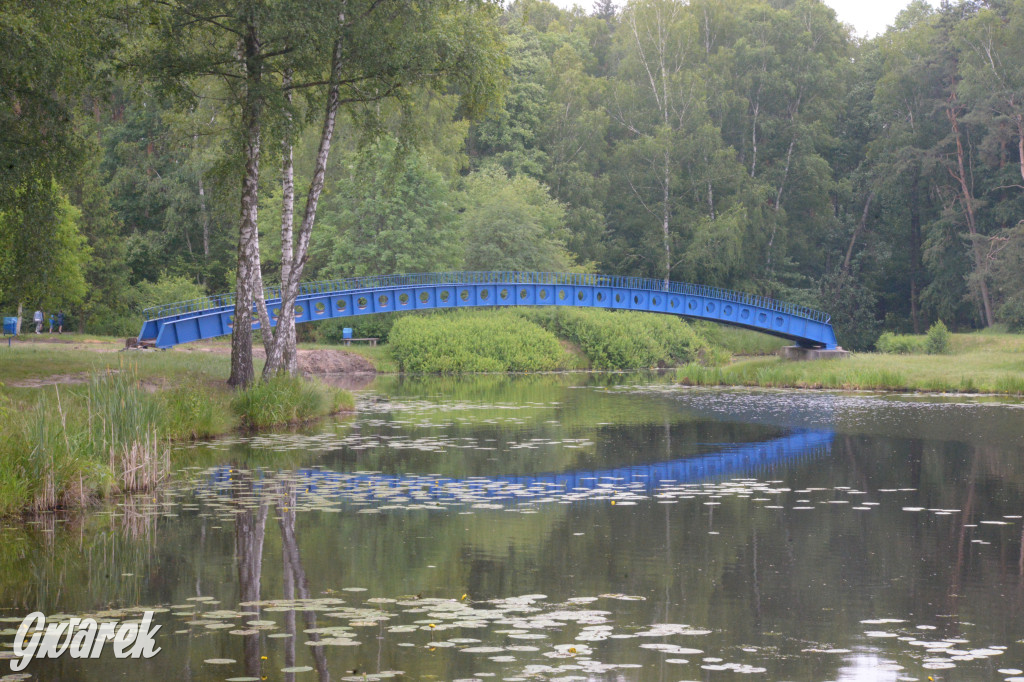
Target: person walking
[60, 322]
[37, 317]
[51, 323]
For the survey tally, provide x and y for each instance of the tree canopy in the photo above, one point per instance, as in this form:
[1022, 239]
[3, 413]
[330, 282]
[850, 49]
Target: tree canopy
[740, 143]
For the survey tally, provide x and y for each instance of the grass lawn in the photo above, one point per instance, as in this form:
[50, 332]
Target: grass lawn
[977, 363]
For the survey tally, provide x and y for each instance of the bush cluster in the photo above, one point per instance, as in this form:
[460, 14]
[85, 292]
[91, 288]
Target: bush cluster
[624, 339]
[474, 341]
[935, 342]
[900, 344]
[286, 399]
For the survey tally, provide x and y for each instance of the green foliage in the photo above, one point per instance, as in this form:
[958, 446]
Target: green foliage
[167, 289]
[191, 410]
[935, 342]
[852, 307]
[1012, 314]
[42, 254]
[737, 340]
[623, 339]
[474, 341]
[363, 327]
[71, 446]
[392, 213]
[287, 400]
[788, 159]
[509, 134]
[937, 339]
[50, 53]
[716, 356]
[125, 319]
[900, 343]
[512, 224]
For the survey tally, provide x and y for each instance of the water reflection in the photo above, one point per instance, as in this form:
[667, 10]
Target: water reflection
[556, 527]
[742, 459]
[250, 529]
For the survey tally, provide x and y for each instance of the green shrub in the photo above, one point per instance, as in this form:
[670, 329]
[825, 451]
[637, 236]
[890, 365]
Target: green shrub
[935, 342]
[474, 341]
[109, 323]
[736, 340]
[624, 339]
[285, 400]
[900, 344]
[714, 356]
[167, 289]
[937, 339]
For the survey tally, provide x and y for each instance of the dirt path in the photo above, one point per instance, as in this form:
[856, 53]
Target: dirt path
[311, 362]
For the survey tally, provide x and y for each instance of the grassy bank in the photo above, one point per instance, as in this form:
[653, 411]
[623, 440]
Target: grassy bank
[87, 424]
[528, 340]
[975, 363]
[474, 341]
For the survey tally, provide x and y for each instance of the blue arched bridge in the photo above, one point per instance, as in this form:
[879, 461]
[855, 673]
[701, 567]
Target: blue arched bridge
[205, 318]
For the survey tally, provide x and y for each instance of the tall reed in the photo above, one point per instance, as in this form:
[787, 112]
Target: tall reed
[122, 430]
[72, 445]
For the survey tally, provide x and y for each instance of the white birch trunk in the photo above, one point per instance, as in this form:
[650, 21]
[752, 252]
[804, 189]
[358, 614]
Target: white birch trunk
[275, 342]
[248, 273]
[283, 356]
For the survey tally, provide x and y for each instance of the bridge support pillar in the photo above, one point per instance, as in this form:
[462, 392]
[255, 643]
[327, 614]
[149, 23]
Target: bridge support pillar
[801, 353]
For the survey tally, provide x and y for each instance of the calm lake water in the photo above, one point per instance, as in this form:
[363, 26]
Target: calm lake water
[569, 527]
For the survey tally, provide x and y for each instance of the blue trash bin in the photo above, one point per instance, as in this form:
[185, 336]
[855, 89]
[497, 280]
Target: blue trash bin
[10, 325]
[346, 332]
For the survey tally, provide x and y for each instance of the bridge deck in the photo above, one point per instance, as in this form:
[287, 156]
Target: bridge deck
[186, 321]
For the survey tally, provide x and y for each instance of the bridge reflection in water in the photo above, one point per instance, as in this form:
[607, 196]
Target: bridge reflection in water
[739, 460]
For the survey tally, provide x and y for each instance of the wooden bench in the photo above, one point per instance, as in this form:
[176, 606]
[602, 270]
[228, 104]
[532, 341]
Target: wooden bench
[372, 340]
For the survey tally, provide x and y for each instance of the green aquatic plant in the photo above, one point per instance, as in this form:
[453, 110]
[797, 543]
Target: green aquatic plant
[192, 410]
[71, 446]
[286, 399]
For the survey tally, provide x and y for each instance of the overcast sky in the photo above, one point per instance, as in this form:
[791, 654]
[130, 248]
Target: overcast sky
[868, 17]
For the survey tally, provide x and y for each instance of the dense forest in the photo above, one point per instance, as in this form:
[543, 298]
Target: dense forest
[749, 144]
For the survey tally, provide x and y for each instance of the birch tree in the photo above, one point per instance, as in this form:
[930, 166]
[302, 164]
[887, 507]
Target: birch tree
[338, 54]
[379, 51]
[655, 103]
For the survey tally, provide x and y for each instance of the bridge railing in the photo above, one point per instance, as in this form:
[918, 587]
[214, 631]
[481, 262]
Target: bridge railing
[496, 277]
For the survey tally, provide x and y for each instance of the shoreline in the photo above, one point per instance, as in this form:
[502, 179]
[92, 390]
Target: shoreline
[77, 425]
[181, 396]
